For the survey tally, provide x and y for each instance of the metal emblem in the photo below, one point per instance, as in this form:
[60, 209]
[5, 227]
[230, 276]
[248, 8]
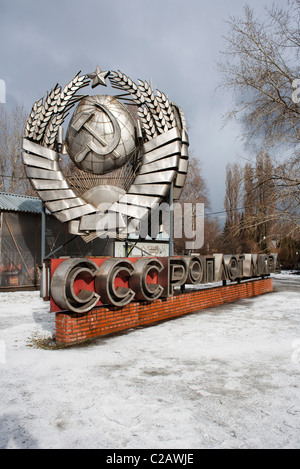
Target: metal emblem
[103, 137]
[107, 148]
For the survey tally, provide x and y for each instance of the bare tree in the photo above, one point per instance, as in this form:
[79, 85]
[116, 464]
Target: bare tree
[12, 172]
[232, 199]
[195, 188]
[259, 215]
[261, 66]
[232, 204]
[250, 204]
[249, 198]
[195, 191]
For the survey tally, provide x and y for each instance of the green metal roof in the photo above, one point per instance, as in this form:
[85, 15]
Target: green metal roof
[20, 203]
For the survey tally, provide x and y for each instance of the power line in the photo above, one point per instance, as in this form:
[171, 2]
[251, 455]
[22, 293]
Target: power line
[207, 214]
[226, 211]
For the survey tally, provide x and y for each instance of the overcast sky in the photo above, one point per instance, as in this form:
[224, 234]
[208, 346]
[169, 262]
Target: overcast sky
[176, 43]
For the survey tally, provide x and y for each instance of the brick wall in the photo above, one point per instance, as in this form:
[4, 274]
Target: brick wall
[72, 328]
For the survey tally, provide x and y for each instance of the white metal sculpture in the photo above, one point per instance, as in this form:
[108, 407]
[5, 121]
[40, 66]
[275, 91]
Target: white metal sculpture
[103, 136]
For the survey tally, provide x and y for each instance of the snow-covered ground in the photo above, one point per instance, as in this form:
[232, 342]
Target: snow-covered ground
[226, 377]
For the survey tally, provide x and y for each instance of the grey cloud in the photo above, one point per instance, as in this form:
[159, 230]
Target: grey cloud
[176, 43]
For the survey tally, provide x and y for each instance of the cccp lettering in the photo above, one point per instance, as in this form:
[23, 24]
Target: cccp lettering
[111, 282]
[80, 284]
[142, 280]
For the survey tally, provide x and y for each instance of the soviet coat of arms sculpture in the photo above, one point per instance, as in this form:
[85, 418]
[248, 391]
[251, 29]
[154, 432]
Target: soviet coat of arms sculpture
[103, 136]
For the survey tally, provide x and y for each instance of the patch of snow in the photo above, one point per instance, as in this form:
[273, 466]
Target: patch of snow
[226, 377]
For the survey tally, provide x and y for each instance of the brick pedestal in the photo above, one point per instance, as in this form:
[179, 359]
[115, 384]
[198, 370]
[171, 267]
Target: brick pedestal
[72, 328]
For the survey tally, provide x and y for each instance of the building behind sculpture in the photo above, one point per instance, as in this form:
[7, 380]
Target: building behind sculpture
[21, 235]
[20, 241]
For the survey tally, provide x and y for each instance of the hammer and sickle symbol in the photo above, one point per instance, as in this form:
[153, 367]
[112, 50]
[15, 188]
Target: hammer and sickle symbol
[105, 148]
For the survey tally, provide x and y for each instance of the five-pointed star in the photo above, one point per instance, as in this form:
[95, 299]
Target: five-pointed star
[98, 77]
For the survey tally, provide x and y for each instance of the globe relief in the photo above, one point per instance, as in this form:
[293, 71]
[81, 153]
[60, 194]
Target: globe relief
[101, 136]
